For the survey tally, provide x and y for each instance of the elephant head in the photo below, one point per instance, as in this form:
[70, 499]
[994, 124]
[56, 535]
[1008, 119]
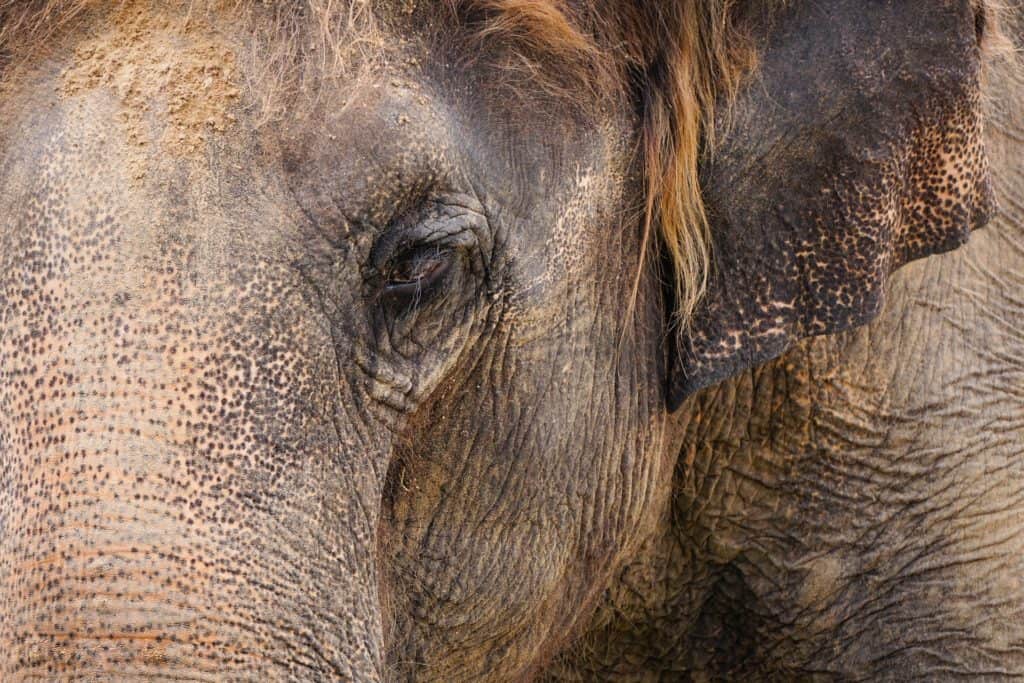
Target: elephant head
[348, 340]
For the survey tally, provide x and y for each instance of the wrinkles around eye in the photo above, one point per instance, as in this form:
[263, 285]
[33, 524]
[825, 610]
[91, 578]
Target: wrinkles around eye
[447, 222]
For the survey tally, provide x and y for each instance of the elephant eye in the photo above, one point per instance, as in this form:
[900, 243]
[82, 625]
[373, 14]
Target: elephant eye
[416, 273]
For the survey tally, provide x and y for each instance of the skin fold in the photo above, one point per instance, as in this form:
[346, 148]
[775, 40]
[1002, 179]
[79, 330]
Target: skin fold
[355, 379]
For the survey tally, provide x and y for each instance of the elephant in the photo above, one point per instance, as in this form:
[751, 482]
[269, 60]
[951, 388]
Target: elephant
[508, 340]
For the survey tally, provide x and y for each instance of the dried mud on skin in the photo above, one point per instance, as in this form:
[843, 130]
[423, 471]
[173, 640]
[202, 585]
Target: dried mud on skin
[158, 63]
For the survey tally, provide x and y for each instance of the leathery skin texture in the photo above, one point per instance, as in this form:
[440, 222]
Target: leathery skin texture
[853, 510]
[360, 382]
[205, 390]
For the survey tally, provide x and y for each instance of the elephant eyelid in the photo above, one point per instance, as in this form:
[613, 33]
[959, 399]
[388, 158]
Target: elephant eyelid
[446, 219]
[417, 257]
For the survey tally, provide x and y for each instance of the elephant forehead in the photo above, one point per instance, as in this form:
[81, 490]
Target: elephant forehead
[183, 74]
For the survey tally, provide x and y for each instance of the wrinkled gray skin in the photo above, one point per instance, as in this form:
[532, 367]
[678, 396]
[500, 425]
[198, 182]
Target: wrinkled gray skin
[228, 450]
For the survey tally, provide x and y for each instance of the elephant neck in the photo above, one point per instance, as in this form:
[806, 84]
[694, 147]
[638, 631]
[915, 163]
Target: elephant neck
[812, 494]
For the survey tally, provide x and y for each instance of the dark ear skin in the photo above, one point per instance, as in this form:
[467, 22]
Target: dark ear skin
[855, 149]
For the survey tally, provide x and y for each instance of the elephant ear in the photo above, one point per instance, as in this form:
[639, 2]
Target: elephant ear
[853, 149]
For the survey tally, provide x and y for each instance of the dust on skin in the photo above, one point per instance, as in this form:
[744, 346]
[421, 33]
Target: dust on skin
[153, 58]
[824, 578]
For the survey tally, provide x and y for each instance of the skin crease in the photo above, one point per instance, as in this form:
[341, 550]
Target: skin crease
[227, 453]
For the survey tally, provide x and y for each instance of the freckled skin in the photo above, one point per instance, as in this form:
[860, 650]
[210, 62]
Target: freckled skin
[170, 447]
[233, 447]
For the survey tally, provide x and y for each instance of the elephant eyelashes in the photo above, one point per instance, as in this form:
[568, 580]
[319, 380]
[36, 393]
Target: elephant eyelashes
[415, 274]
